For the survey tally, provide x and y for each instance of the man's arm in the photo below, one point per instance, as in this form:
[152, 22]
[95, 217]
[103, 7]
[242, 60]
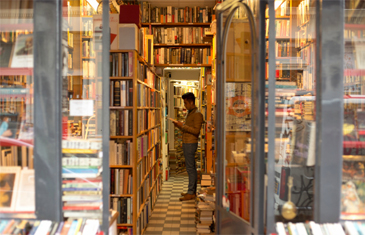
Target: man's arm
[195, 129]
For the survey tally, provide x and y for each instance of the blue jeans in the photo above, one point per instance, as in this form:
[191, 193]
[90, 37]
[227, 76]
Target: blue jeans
[189, 154]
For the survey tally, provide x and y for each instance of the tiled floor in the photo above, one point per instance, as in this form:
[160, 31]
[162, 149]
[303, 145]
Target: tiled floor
[171, 216]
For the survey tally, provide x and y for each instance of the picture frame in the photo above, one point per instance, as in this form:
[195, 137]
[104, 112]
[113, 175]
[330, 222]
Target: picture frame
[9, 182]
[22, 54]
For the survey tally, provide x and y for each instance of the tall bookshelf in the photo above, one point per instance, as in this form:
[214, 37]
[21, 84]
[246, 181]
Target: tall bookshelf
[144, 135]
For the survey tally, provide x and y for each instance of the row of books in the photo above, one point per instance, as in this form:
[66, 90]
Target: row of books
[121, 64]
[303, 12]
[124, 206]
[142, 221]
[175, 35]
[32, 227]
[282, 48]
[354, 34]
[181, 90]
[88, 69]
[181, 55]
[13, 80]
[172, 14]
[142, 146]
[88, 49]
[147, 141]
[282, 28]
[178, 102]
[121, 181]
[121, 93]
[147, 119]
[315, 228]
[15, 156]
[147, 76]
[145, 45]
[81, 144]
[120, 152]
[121, 122]
[147, 97]
[87, 28]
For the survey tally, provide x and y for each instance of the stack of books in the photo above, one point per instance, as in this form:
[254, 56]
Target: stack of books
[205, 211]
[73, 226]
[323, 229]
[82, 185]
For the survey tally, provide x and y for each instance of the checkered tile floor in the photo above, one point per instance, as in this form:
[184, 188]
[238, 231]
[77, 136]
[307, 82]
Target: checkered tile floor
[171, 216]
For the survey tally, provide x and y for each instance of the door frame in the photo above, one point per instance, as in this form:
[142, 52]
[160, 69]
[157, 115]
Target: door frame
[229, 223]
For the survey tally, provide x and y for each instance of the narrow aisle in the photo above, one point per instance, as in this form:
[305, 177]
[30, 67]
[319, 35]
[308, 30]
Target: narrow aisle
[171, 216]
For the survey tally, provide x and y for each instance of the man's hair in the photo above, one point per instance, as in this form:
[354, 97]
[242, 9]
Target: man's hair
[189, 96]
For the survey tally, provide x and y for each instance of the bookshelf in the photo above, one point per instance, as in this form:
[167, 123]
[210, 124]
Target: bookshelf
[143, 105]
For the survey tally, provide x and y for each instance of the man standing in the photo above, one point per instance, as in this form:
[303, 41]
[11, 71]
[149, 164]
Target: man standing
[191, 130]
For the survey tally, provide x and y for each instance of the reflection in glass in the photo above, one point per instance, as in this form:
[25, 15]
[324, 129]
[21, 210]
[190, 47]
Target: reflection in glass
[238, 115]
[353, 174]
[295, 97]
[17, 187]
[81, 111]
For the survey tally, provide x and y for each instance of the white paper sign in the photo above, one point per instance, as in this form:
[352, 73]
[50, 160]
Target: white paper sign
[81, 108]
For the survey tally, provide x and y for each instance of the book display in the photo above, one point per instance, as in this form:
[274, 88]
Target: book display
[135, 139]
[16, 109]
[76, 226]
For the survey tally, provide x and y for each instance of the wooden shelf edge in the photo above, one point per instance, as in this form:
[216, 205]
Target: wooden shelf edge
[121, 166]
[145, 131]
[121, 137]
[141, 82]
[121, 195]
[124, 225]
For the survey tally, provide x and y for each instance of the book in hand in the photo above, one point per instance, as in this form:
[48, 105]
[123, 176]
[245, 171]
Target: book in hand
[173, 120]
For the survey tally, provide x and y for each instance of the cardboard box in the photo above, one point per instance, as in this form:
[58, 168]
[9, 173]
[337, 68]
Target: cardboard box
[128, 37]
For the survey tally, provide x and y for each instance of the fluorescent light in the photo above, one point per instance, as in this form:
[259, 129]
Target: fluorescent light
[94, 4]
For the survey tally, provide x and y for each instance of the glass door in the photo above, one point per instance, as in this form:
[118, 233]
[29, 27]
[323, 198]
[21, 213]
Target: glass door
[237, 52]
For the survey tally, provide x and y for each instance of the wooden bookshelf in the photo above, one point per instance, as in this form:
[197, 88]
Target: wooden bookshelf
[135, 162]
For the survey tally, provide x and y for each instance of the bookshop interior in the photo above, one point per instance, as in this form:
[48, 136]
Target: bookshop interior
[91, 91]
